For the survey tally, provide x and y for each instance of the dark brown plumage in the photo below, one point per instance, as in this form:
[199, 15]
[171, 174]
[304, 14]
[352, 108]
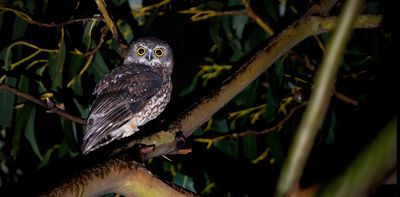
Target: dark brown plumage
[131, 94]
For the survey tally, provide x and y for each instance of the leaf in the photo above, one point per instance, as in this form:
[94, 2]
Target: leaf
[239, 22]
[6, 104]
[248, 96]
[99, 67]
[184, 181]
[275, 144]
[250, 147]
[87, 33]
[19, 28]
[70, 137]
[56, 65]
[21, 118]
[190, 88]
[126, 30]
[47, 156]
[83, 110]
[76, 63]
[229, 147]
[30, 133]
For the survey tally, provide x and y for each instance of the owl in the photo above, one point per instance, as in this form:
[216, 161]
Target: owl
[131, 94]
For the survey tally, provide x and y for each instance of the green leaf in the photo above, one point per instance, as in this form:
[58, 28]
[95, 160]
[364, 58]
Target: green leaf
[56, 65]
[69, 135]
[229, 147]
[30, 133]
[7, 104]
[99, 67]
[184, 181]
[248, 96]
[126, 30]
[190, 88]
[239, 22]
[275, 144]
[47, 156]
[83, 110]
[250, 147]
[19, 28]
[87, 33]
[21, 120]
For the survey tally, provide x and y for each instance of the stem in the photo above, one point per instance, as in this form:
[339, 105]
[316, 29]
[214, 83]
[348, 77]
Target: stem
[319, 101]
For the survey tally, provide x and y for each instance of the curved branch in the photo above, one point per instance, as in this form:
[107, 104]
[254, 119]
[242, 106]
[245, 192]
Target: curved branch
[120, 175]
[50, 108]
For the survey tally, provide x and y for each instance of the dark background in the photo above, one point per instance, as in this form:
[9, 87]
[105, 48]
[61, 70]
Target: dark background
[226, 168]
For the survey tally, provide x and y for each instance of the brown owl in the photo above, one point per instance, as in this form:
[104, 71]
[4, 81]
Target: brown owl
[130, 95]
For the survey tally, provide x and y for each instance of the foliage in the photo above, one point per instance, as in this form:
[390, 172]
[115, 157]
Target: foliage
[58, 50]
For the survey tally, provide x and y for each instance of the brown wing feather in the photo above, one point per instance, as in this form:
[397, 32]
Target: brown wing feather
[121, 94]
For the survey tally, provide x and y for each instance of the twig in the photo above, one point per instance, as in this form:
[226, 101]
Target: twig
[276, 127]
[29, 20]
[113, 27]
[54, 109]
[257, 19]
[345, 98]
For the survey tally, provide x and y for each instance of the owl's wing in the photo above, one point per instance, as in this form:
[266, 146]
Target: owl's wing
[121, 94]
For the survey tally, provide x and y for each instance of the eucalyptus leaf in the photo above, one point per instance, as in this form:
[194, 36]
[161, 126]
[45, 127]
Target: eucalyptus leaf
[250, 147]
[98, 68]
[56, 65]
[30, 133]
[229, 147]
[19, 28]
[7, 104]
[21, 119]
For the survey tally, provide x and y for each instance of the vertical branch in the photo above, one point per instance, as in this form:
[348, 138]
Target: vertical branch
[319, 101]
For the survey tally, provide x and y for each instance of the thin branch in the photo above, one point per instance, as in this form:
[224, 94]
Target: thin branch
[346, 98]
[113, 27]
[257, 19]
[29, 20]
[50, 109]
[276, 127]
[304, 137]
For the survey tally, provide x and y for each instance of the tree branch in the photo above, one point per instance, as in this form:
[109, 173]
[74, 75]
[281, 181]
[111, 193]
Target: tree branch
[167, 141]
[120, 175]
[276, 127]
[304, 137]
[50, 109]
[113, 27]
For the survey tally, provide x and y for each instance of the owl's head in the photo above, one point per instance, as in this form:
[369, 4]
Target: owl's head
[151, 52]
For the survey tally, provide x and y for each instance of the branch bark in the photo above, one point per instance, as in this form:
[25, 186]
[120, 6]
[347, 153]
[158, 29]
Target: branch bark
[121, 175]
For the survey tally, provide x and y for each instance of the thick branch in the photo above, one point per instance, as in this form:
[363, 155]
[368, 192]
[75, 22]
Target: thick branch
[117, 175]
[51, 109]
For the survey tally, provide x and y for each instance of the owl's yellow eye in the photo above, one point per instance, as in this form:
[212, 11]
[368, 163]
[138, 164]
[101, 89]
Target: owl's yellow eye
[141, 51]
[158, 52]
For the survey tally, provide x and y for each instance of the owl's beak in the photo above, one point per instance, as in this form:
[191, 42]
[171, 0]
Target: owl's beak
[149, 56]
